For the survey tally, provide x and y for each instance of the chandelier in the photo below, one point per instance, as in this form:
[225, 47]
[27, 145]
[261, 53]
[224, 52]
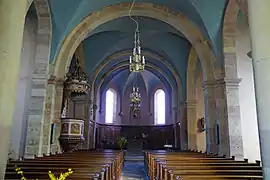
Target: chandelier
[135, 99]
[137, 60]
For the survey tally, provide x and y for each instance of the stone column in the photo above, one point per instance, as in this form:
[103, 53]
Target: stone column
[87, 123]
[11, 35]
[192, 124]
[183, 126]
[56, 112]
[210, 117]
[259, 12]
[94, 111]
[229, 117]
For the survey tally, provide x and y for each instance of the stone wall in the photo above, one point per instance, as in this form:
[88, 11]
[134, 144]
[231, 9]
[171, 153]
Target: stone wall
[24, 84]
[123, 113]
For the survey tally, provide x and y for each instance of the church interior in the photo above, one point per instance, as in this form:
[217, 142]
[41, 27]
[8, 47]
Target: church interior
[126, 89]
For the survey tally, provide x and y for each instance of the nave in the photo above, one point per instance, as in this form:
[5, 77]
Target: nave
[159, 164]
[187, 74]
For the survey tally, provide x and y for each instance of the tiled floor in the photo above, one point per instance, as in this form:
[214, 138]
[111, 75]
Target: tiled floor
[133, 170]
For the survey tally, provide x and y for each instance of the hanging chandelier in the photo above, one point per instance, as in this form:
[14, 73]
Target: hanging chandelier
[136, 60]
[135, 99]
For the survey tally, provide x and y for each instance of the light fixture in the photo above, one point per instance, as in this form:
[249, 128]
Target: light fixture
[136, 60]
[135, 99]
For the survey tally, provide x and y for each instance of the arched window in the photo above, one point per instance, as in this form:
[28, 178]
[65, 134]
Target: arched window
[111, 101]
[159, 103]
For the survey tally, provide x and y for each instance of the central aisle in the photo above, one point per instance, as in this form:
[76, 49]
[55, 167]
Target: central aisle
[133, 170]
[134, 167]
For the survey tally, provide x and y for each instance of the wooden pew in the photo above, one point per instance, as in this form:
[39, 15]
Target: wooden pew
[185, 165]
[86, 165]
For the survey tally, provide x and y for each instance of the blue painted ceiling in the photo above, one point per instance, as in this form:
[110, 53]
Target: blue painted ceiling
[156, 37]
[67, 14]
[148, 79]
[118, 35]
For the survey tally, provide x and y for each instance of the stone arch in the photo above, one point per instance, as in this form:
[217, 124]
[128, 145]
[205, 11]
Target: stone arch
[162, 13]
[229, 32]
[126, 65]
[178, 93]
[148, 54]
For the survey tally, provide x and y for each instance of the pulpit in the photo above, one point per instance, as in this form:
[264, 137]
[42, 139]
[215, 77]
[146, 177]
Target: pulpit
[71, 133]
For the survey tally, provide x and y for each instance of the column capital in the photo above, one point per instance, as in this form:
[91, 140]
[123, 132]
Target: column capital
[231, 82]
[56, 81]
[191, 103]
[212, 83]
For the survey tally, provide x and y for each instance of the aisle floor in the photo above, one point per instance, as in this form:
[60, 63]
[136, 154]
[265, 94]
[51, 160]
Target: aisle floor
[133, 170]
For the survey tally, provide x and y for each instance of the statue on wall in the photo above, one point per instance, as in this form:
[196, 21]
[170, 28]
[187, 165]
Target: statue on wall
[201, 125]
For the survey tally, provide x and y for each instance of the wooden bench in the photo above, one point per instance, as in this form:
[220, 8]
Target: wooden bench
[86, 165]
[192, 165]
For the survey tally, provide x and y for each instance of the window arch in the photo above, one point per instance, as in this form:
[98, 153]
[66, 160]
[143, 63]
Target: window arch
[159, 107]
[111, 102]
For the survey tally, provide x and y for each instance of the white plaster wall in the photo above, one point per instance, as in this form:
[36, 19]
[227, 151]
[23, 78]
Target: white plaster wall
[23, 89]
[247, 96]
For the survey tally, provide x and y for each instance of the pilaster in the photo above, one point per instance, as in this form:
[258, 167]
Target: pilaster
[224, 133]
[56, 112]
[183, 126]
[192, 119]
[212, 139]
[88, 124]
[93, 119]
[233, 116]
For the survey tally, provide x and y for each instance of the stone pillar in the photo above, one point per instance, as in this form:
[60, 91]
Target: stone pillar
[223, 120]
[94, 111]
[229, 117]
[260, 38]
[192, 124]
[87, 123]
[210, 117]
[11, 35]
[56, 112]
[52, 114]
[174, 117]
[183, 127]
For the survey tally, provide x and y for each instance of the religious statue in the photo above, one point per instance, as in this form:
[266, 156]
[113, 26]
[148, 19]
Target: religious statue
[201, 125]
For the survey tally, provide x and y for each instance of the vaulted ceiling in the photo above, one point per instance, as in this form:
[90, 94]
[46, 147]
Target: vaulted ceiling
[67, 14]
[117, 36]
